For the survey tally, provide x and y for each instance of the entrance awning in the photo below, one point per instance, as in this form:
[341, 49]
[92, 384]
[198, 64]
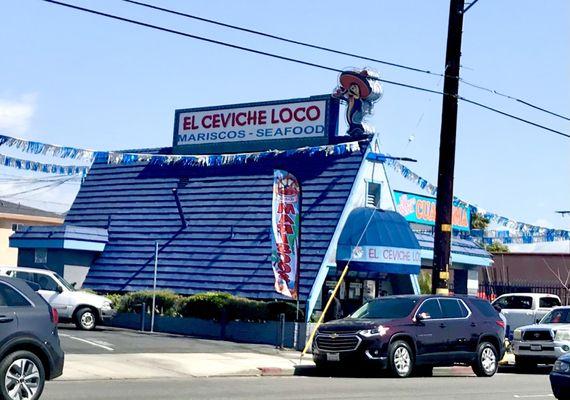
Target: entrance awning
[388, 245]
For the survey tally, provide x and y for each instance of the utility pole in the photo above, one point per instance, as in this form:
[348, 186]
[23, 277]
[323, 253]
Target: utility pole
[444, 205]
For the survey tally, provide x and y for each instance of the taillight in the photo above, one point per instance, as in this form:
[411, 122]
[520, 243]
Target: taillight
[54, 316]
[501, 323]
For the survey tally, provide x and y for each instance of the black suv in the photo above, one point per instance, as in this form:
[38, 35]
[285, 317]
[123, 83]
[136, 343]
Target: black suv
[412, 334]
[30, 352]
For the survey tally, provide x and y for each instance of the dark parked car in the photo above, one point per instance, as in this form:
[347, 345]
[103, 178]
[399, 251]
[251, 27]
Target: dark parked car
[560, 378]
[30, 352]
[409, 334]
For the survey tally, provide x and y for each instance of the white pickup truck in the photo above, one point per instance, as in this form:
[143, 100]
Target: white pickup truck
[85, 309]
[522, 309]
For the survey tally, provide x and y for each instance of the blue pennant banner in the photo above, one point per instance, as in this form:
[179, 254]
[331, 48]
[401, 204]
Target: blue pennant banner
[526, 229]
[118, 157]
[28, 165]
[46, 149]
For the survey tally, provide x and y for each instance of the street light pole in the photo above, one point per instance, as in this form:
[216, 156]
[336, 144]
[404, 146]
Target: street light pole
[444, 205]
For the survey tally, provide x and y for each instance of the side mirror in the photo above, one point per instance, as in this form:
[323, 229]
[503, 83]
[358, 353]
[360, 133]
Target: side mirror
[59, 289]
[74, 284]
[497, 307]
[421, 317]
[537, 321]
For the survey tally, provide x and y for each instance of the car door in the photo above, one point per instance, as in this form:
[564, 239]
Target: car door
[49, 289]
[431, 335]
[455, 315]
[8, 315]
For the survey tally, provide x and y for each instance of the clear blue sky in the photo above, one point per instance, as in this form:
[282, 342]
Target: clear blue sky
[81, 80]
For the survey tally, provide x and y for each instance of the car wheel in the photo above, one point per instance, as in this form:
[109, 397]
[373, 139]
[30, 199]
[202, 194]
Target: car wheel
[524, 363]
[400, 359]
[22, 376]
[85, 319]
[486, 364]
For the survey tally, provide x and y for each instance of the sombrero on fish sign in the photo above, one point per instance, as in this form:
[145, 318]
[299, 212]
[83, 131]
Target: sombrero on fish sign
[359, 78]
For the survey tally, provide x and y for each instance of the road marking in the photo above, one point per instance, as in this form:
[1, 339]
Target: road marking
[531, 396]
[88, 342]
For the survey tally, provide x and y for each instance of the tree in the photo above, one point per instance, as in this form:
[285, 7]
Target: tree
[478, 221]
[497, 247]
[424, 279]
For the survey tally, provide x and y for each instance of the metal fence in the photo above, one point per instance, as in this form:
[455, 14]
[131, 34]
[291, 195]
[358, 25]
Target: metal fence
[491, 291]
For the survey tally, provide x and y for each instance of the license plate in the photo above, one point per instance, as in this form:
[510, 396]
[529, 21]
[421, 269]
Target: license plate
[333, 357]
[535, 347]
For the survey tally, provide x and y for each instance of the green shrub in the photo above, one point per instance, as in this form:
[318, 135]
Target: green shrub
[165, 302]
[210, 305]
[217, 306]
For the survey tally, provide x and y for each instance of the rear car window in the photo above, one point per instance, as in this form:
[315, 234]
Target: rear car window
[431, 309]
[452, 308]
[9, 297]
[515, 303]
[484, 307]
[548, 302]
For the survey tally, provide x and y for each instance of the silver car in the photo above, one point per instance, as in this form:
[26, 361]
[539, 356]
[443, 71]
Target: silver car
[544, 342]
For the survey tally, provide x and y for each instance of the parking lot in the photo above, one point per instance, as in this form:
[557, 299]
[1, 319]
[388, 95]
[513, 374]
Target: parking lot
[105, 340]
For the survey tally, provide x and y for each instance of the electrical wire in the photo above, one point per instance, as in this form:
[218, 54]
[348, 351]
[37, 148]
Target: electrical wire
[49, 186]
[294, 60]
[344, 53]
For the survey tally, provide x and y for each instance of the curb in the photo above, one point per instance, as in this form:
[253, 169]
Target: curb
[273, 371]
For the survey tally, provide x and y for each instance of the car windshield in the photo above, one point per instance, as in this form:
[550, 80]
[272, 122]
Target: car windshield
[65, 283]
[387, 308]
[559, 316]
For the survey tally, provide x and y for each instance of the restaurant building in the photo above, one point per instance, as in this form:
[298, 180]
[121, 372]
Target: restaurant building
[208, 204]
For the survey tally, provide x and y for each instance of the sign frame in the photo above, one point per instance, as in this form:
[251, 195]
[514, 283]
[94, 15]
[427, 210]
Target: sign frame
[329, 135]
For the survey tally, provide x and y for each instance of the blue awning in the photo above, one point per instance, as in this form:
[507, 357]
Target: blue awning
[378, 241]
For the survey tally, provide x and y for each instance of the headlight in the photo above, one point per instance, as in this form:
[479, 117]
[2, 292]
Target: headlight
[107, 305]
[561, 366]
[380, 331]
[562, 335]
[517, 334]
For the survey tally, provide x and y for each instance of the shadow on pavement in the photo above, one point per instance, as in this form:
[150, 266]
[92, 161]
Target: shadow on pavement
[355, 372]
[539, 370]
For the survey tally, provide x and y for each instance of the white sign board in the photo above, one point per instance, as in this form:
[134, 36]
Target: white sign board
[270, 123]
[387, 255]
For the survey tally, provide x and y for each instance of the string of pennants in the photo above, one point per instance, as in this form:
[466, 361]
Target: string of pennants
[117, 157]
[527, 231]
[35, 166]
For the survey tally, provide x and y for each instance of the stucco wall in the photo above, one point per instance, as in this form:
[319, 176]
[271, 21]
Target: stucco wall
[8, 255]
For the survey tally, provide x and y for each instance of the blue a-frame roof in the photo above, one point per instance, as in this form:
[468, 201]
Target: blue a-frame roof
[226, 245]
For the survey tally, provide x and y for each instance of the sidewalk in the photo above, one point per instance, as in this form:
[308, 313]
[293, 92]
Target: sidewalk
[179, 365]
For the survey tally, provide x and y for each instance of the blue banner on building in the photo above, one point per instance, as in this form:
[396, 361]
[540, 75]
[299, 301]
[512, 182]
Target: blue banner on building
[421, 210]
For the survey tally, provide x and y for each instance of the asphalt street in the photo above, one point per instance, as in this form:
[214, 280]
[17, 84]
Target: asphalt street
[308, 383]
[500, 387]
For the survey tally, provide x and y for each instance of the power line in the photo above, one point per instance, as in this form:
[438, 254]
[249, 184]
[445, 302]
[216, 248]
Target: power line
[294, 60]
[283, 39]
[513, 116]
[344, 53]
